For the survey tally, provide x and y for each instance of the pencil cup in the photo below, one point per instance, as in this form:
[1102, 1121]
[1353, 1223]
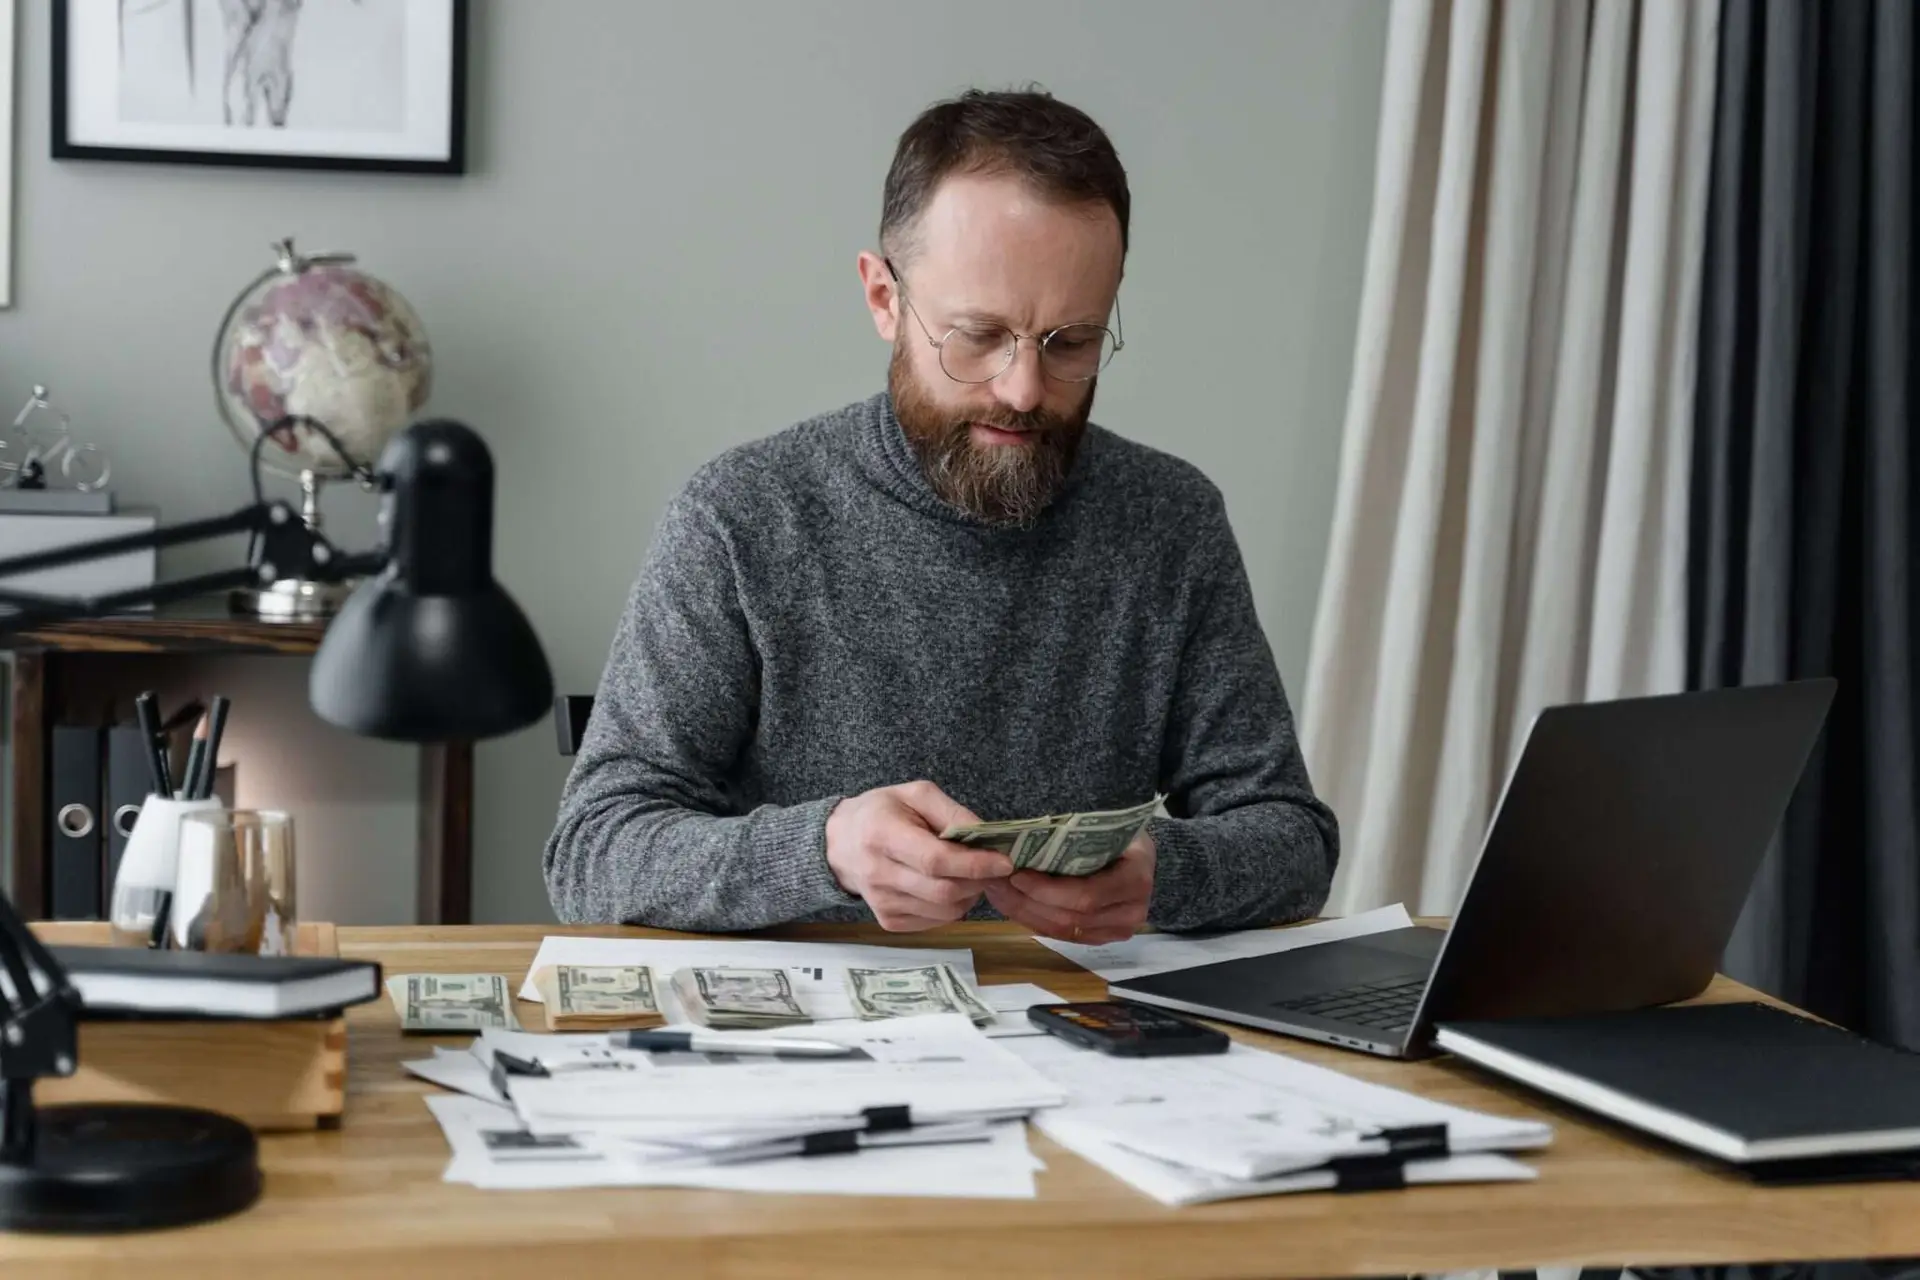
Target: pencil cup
[143, 886]
[233, 883]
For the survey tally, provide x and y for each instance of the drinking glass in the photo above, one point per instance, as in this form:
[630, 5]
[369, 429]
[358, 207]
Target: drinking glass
[233, 883]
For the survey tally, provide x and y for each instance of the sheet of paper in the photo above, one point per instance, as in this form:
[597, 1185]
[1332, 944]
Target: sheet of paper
[1158, 952]
[1187, 1129]
[932, 1063]
[815, 969]
[1009, 1003]
[458, 1070]
[1173, 1184]
[491, 1150]
[1249, 1113]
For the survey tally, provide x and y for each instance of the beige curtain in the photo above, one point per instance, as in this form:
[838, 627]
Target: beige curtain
[1510, 528]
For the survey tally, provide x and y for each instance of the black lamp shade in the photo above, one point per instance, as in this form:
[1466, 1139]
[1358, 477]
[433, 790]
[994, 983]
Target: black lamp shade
[431, 649]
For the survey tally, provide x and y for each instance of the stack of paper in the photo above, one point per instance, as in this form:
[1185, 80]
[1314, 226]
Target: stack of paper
[1248, 1122]
[602, 1115]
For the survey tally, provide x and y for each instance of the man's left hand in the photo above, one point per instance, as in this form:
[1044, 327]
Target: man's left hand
[1106, 906]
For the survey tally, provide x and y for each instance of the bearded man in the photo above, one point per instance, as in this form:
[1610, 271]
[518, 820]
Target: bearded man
[958, 599]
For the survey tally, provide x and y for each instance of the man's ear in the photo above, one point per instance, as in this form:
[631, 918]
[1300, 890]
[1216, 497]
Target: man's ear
[882, 292]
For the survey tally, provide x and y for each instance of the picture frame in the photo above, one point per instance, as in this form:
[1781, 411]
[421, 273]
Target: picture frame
[6, 152]
[366, 85]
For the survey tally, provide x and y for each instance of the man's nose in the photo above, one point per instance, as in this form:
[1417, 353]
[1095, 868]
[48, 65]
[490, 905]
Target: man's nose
[1021, 386]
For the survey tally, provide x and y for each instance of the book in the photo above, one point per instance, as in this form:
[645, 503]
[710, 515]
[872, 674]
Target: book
[1751, 1084]
[163, 983]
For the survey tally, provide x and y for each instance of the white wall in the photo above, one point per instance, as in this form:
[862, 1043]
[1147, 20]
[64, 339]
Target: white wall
[653, 259]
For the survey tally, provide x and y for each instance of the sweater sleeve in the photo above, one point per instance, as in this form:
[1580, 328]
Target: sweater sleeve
[1247, 843]
[647, 831]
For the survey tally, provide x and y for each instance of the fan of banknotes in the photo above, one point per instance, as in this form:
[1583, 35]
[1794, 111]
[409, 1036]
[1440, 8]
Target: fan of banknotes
[580, 997]
[1060, 844]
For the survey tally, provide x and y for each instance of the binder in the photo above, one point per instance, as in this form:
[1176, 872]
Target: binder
[129, 779]
[73, 800]
[1778, 1096]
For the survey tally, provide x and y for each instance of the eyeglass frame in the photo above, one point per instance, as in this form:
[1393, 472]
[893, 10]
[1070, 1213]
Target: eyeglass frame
[1039, 340]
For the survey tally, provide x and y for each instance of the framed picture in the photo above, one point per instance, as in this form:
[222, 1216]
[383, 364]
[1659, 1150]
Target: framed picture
[6, 153]
[292, 84]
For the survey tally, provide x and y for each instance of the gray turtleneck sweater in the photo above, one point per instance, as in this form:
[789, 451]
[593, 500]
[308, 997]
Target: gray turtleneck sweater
[812, 621]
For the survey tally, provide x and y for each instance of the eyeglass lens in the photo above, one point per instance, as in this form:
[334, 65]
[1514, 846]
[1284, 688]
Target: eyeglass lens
[1072, 353]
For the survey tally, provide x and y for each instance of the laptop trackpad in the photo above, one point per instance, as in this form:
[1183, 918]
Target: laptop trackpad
[1289, 975]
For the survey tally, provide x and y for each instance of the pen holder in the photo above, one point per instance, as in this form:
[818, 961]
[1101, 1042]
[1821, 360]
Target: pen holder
[144, 883]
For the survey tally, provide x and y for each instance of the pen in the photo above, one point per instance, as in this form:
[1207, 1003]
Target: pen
[832, 1142]
[708, 1042]
[147, 708]
[210, 759]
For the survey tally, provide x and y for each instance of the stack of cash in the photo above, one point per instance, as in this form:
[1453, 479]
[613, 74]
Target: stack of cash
[452, 1003]
[1062, 844]
[597, 997]
[901, 993]
[738, 999]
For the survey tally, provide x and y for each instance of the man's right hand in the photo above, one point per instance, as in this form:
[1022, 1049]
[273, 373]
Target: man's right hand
[884, 845]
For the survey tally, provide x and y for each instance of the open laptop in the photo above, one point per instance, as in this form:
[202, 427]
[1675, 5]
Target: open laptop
[1617, 862]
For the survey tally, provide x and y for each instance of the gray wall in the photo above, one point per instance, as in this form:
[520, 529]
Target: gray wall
[653, 259]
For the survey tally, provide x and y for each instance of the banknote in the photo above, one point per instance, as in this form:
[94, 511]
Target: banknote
[738, 998]
[1061, 844]
[451, 1003]
[901, 993]
[589, 997]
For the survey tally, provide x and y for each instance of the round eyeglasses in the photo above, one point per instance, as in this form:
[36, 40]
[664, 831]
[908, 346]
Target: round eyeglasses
[982, 352]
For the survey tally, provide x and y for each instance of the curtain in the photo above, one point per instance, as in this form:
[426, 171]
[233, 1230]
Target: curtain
[1510, 529]
[1803, 481]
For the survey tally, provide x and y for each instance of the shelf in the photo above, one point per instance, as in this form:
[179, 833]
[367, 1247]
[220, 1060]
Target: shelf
[191, 628]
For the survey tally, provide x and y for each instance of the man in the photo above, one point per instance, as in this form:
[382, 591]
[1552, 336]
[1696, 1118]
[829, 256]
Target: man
[957, 599]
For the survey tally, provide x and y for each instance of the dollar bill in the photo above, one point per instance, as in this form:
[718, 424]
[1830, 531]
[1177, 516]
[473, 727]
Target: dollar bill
[738, 998]
[901, 993]
[597, 996]
[1061, 844]
[452, 1003]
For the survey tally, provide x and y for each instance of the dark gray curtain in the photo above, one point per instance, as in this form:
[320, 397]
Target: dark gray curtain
[1804, 477]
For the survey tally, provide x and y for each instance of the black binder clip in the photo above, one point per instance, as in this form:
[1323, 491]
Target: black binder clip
[886, 1119]
[506, 1066]
[1416, 1141]
[1368, 1173]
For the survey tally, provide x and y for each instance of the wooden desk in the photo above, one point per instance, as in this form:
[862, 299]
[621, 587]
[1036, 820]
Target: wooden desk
[367, 1200]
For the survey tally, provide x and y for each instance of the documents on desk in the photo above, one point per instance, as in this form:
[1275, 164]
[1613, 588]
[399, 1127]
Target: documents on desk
[1249, 1122]
[1148, 953]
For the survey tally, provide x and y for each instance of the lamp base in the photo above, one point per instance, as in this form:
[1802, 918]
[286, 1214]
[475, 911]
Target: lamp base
[102, 1167]
[292, 599]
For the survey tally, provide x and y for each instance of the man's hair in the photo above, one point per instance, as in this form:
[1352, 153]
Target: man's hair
[1027, 133]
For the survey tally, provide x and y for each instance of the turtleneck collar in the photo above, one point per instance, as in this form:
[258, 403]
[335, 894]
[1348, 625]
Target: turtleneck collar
[890, 462]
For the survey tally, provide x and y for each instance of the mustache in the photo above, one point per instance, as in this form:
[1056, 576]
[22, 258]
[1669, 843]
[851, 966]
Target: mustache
[1016, 420]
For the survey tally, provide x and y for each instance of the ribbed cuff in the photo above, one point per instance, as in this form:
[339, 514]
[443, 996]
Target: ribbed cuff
[793, 845]
[1180, 869]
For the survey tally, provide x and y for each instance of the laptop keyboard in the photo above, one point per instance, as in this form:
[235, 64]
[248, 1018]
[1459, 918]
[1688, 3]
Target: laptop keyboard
[1384, 1006]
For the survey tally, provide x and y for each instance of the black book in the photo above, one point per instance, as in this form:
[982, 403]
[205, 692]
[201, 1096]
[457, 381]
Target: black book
[1782, 1096]
[199, 984]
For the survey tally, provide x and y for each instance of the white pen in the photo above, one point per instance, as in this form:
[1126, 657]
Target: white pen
[710, 1042]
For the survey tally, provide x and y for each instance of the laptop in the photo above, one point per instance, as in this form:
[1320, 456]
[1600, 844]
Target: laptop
[1615, 867]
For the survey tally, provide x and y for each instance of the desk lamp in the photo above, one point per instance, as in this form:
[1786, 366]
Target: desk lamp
[428, 647]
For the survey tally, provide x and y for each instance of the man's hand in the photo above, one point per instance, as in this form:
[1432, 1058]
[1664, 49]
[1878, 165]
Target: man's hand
[1106, 906]
[885, 846]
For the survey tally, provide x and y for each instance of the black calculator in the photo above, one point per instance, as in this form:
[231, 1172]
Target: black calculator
[1126, 1030]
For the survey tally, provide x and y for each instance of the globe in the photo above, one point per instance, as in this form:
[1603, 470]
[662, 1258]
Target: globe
[315, 337]
[317, 340]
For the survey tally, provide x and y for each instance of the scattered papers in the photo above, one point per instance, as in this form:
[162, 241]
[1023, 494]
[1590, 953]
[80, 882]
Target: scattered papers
[458, 1070]
[1248, 1122]
[1157, 953]
[816, 971]
[492, 1150]
[935, 1063]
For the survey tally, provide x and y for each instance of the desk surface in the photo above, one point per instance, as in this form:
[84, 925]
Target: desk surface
[367, 1200]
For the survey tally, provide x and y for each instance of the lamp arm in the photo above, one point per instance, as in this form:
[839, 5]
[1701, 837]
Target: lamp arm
[284, 547]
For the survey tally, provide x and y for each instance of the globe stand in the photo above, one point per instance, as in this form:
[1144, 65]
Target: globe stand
[296, 599]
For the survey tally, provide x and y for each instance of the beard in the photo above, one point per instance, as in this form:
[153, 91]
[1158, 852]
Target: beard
[1009, 484]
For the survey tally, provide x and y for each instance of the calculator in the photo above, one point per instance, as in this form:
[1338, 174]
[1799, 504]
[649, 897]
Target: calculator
[1126, 1030]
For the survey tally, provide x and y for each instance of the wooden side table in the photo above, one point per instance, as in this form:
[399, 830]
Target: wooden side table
[52, 662]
